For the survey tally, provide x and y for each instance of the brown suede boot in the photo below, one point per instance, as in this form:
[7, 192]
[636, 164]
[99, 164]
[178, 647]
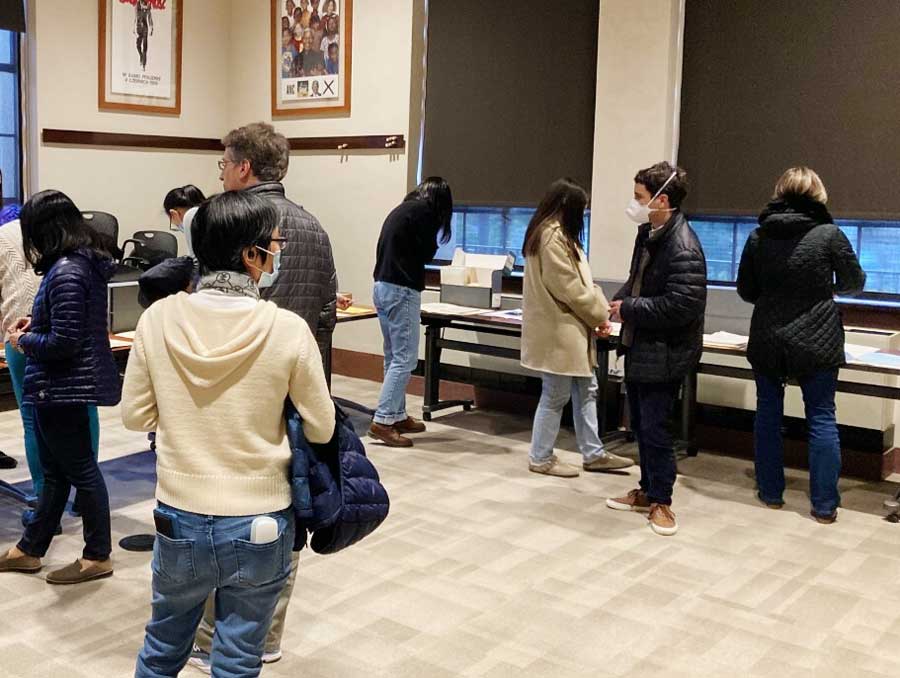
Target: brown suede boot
[389, 435]
[410, 425]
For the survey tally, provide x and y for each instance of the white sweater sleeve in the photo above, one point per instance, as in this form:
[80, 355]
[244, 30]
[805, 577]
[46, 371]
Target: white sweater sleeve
[139, 409]
[308, 391]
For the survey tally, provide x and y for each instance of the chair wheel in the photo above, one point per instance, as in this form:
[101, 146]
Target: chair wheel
[426, 416]
[693, 451]
[467, 408]
[892, 518]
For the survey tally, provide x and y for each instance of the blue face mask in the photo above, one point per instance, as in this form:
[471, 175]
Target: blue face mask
[268, 279]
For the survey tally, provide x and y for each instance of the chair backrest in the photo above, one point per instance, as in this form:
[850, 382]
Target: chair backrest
[151, 247]
[107, 227]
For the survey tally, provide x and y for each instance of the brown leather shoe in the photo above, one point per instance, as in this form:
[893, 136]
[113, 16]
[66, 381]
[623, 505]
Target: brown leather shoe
[410, 425]
[635, 500]
[73, 574]
[27, 564]
[389, 435]
[824, 519]
[662, 520]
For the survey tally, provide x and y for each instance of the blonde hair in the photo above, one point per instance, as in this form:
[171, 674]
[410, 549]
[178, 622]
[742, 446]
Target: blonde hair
[801, 182]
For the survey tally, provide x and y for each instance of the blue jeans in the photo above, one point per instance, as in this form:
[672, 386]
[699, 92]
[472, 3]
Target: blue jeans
[556, 390]
[213, 553]
[650, 407]
[67, 459]
[400, 313]
[16, 363]
[824, 443]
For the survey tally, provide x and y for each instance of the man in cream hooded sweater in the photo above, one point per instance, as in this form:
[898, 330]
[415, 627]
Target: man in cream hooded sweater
[210, 373]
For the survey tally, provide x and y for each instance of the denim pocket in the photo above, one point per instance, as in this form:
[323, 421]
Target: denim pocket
[260, 564]
[173, 559]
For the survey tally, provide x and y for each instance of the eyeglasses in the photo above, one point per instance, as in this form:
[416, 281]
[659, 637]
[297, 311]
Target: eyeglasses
[222, 163]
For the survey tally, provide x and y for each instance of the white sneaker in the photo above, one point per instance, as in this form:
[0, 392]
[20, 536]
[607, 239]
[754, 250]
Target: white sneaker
[200, 660]
[271, 657]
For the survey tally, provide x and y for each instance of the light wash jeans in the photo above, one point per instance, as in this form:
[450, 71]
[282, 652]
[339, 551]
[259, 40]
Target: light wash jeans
[213, 553]
[16, 363]
[556, 391]
[400, 313]
[824, 442]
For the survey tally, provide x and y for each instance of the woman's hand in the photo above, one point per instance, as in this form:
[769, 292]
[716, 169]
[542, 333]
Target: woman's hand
[21, 325]
[604, 330]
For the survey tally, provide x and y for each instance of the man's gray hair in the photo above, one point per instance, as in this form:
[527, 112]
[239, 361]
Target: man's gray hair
[267, 151]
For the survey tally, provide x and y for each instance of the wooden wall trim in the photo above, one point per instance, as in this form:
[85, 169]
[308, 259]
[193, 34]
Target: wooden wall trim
[84, 138]
[393, 142]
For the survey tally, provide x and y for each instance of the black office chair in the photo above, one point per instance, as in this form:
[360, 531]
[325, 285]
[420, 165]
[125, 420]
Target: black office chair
[148, 248]
[107, 227]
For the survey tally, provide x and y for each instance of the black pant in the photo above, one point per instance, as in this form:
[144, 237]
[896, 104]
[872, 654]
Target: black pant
[67, 457]
[650, 406]
[142, 46]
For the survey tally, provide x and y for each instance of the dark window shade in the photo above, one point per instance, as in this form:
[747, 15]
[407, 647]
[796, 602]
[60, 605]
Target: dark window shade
[769, 84]
[509, 102]
[12, 15]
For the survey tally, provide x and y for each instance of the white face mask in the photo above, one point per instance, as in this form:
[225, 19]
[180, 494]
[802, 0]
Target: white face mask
[267, 279]
[640, 214]
[186, 228]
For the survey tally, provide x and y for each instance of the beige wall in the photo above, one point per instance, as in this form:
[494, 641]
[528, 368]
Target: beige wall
[349, 194]
[638, 55]
[130, 184]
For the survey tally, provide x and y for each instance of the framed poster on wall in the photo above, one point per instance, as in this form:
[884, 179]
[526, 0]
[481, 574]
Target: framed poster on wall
[312, 43]
[140, 55]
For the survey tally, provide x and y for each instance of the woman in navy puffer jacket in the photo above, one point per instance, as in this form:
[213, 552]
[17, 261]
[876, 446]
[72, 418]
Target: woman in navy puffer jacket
[69, 368]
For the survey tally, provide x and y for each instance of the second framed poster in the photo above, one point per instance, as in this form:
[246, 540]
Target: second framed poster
[312, 44]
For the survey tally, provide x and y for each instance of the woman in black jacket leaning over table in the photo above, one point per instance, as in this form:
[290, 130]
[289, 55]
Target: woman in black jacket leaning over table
[791, 268]
[408, 241]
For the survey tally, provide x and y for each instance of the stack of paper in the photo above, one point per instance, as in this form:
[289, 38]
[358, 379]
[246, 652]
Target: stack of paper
[725, 340]
[450, 309]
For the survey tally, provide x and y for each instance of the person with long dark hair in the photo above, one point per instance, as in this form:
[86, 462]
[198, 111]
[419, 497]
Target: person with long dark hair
[562, 313]
[70, 367]
[178, 201]
[408, 241]
[790, 270]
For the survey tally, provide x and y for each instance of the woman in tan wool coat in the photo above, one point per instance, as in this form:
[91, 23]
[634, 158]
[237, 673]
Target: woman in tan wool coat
[562, 312]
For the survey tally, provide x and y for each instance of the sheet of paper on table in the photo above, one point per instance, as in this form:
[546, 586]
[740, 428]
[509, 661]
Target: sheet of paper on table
[119, 343]
[510, 314]
[879, 360]
[126, 335]
[725, 339]
[450, 309]
[855, 352]
[355, 310]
